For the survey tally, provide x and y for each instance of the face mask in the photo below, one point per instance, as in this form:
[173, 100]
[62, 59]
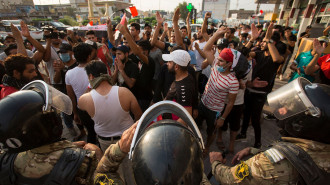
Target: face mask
[221, 69]
[65, 57]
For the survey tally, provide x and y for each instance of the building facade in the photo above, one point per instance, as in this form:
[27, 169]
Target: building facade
[219, 8]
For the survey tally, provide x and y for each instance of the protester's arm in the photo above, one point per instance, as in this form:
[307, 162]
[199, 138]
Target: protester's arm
[162, 37]
[129, 81]
[135, 49]
[109, 32]
[134, 106]
[19, 40]
[48, 53]
[73, 98]
[114, 77]
[154, 40]
[26, 34]
[271, 46]
[254, 35]
[199, 50]
[178, 36]
[58, 67]
[204, 26]
[229, 106]
[326, 31]
[208, 46]
[317, 51]
[188, 26]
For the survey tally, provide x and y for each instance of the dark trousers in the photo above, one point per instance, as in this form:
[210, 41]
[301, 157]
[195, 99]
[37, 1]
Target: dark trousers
[254, 103]
[206, 114]
[87, 121]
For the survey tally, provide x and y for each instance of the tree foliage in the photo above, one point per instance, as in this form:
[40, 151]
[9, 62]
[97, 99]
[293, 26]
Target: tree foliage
[117, 19]
[85, 22]
[136, 19]
[71, 12]
[183, 10]
[69, 21]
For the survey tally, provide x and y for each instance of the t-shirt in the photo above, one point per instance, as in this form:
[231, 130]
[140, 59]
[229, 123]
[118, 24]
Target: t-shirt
[183, 92]
[217, 89]
[131, 69]
[266, 70]
[303, 59]
[199, 58]
[193, 60]
[168, 47]
[324, 63]
[49, 64]
[3, 55]
[78, 79]
[156, 55]
[143, 87]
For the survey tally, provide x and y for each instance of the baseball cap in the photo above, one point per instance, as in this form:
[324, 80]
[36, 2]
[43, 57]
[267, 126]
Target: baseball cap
[65, 48]
[122, 48]
[180, 57]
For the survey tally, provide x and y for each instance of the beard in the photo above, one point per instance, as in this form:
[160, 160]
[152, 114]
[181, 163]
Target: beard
[25, 80]
[124, 60]
[171, 70]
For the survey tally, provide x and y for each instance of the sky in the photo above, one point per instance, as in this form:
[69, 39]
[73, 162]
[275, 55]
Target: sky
[169, 5]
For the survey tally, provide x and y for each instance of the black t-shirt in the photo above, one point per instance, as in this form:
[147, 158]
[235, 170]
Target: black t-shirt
[132, 71]
[265, 69]
[168, 47]
[2, 72]
[183, 92]
[165, 79]
[143, 87]
[281, 47]
[61, 87]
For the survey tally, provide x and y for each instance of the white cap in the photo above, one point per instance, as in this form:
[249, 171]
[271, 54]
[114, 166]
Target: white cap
[180, 57]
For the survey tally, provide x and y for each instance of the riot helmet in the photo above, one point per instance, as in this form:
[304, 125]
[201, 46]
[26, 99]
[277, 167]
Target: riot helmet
[166, 152]
[303, 109]
[30, 117]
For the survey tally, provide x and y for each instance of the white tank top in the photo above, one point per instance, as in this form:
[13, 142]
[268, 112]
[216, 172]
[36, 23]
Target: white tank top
[110, 119]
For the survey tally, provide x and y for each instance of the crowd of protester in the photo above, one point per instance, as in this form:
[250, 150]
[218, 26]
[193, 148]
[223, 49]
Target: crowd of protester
[112, 82]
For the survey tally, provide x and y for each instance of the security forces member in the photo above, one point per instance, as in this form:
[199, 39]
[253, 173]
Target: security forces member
[165, 152]
[304, 157]
[30, 132]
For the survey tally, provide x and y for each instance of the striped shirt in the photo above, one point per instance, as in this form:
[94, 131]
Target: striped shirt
[217, 89]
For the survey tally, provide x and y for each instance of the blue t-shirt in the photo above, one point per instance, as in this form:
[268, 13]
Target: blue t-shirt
[303, 59]
[193, 57]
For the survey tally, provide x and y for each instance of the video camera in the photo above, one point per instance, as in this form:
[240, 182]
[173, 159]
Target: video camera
[53, 34]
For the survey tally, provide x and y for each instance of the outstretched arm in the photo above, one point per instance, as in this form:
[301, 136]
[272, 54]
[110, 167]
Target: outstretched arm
[208, 46]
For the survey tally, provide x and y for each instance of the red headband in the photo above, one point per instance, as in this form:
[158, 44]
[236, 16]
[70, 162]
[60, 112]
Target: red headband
[227, 55]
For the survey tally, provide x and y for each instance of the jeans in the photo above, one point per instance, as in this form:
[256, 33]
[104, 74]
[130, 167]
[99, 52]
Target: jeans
[254, 103]
[206, 114]
[87, 121]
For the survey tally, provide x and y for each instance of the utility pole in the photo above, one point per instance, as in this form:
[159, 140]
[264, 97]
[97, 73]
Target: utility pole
[237, 4]
[203, 1]
[258, 7]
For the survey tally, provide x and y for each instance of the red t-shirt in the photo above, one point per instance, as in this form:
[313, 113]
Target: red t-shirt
[6, 90]
[324, 63]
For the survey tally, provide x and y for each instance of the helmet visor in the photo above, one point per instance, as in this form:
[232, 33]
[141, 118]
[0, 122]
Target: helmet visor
[53, 97]
[291, 99]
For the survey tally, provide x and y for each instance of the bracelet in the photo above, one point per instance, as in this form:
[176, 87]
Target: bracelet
[222, 118]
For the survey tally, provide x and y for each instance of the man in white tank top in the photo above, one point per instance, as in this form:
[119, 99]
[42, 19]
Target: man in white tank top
[109, 106]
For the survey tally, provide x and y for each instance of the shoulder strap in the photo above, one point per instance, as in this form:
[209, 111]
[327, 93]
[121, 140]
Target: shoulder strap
[65, 170]
[303, 163]
[7, 174]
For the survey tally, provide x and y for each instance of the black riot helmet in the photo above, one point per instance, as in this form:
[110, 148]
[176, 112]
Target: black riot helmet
[29, 118]
[167, 152]
[303, 109]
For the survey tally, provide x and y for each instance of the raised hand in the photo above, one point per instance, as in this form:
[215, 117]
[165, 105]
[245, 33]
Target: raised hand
[159, 18]
[207, 15]
[317, 47]
[166, 26]
[25, 29]
[255, 33]
[16, 32]
[269, 32]
[221, 31]
[109, 25]
[188, 17]
[196, 46]
[121, 28]
[176, 16]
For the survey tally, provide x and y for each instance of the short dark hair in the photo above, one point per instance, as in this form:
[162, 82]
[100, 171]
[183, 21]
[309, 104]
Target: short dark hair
[184, 27]
[81, 52]
[287, 28]
[17, 62]
[232, 30]
[147, 25]
[309, 27]
[9, 48]
[276, 37]
[136, 26]
[145, 45]
[280, 29]
[90, 32]
[245, 35]
[247, 26]
[259, 26]
[96, 68]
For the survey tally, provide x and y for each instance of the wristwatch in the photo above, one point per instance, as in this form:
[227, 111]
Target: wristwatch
[270, 41]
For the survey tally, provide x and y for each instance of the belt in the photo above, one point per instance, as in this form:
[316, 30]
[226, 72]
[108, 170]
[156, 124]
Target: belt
[109, 138]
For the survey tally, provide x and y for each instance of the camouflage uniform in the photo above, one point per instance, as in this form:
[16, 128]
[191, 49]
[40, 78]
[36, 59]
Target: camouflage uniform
[40, 161]
[106, 171]
[263, 169]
